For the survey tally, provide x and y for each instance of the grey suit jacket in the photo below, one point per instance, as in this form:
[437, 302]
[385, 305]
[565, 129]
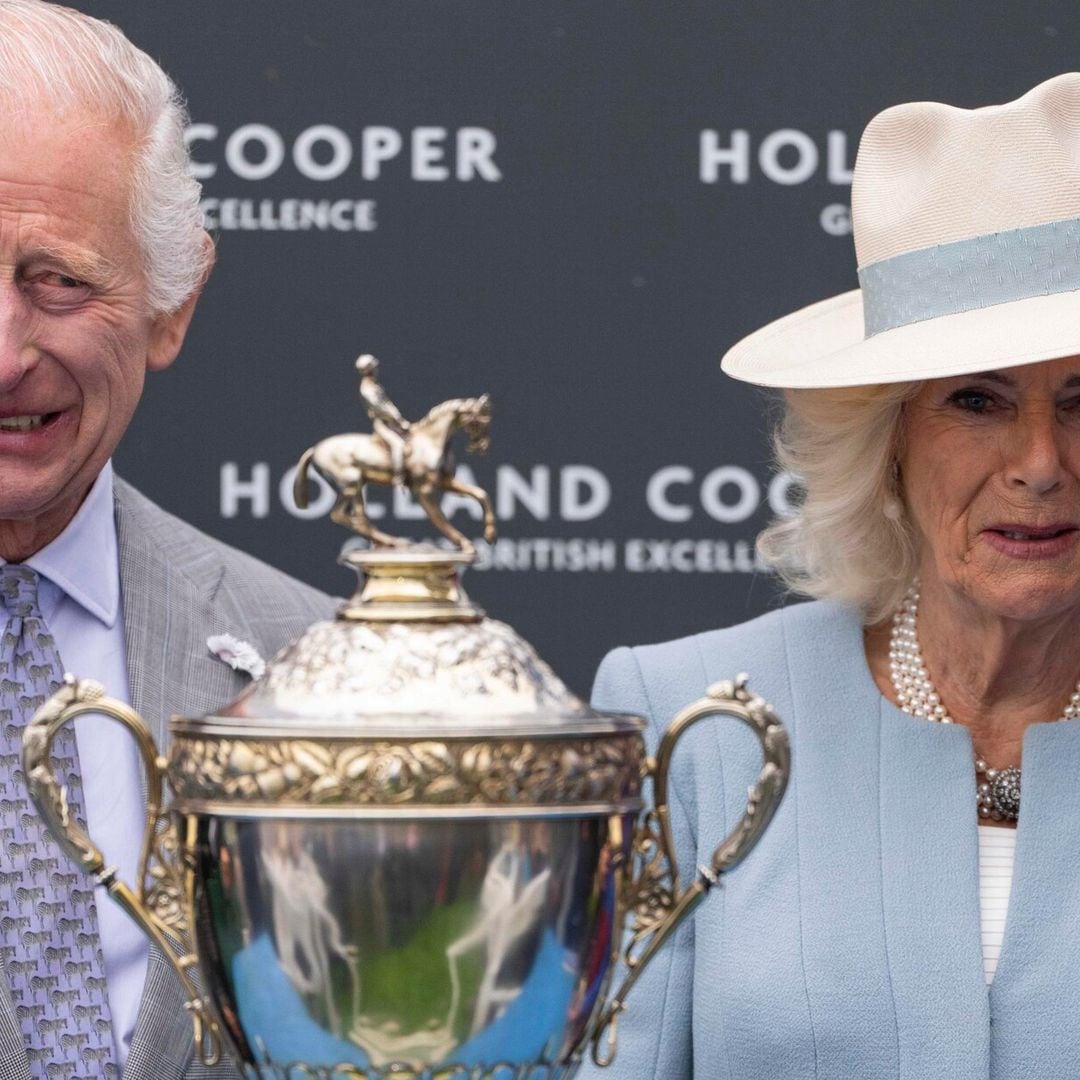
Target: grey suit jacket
[179, 586]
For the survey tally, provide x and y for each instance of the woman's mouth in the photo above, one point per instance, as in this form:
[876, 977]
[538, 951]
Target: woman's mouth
[1031, 541]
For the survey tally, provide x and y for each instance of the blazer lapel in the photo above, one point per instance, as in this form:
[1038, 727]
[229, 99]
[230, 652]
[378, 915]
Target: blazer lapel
[930, 896]
[168, 615]
[1037, 982]
[886, 831]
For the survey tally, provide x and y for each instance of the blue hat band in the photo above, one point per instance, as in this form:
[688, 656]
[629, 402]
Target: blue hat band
[979, 272]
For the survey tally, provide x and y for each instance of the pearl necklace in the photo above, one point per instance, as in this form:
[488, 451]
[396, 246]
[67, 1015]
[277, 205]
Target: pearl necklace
[998, 795]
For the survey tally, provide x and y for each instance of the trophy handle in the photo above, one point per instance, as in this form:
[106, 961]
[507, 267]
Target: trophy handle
[659, 908]
[157, 911]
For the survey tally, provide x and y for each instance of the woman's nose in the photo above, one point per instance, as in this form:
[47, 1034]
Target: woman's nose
[1036, 454]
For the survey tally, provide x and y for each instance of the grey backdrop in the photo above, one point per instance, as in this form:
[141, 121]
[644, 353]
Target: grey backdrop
[648, 182]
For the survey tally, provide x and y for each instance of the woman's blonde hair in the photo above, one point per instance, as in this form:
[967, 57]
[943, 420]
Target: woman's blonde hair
[850, 538]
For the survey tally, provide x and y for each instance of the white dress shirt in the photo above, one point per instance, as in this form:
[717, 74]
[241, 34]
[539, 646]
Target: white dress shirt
[80, 601]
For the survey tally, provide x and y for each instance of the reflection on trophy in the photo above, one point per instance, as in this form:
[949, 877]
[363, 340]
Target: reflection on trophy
[407, 849]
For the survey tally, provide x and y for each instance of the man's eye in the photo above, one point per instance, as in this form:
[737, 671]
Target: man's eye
[63, 281]
[57, 291]
[976, 401]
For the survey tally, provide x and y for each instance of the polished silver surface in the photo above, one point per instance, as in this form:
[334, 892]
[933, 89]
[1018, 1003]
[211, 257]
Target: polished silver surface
[466, 943]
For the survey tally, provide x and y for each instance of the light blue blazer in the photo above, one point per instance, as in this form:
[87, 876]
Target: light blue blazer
[847, 945]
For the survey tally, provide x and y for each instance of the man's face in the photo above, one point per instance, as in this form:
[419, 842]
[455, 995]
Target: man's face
[76, 333]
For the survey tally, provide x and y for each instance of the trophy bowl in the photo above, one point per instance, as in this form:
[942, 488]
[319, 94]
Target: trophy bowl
[407, 849]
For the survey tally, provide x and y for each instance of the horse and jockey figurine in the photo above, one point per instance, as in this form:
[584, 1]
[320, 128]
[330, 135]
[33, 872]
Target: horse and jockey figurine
[416, 456]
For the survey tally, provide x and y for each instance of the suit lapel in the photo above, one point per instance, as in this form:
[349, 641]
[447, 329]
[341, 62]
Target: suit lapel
[168, 615]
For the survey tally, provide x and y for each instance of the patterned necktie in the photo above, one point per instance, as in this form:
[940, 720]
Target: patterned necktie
[48, 919]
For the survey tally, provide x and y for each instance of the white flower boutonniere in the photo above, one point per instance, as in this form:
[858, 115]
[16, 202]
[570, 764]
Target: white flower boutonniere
[239, 655]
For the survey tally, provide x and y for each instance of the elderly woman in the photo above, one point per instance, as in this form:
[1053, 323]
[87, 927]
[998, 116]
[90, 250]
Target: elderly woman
[934, 416]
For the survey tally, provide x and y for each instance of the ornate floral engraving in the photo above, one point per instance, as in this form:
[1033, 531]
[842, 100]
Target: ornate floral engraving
[652, 889]
[163, 887]
[356, 669]
[364, 772]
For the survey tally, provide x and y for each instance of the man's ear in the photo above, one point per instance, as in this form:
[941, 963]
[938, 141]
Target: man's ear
[168, 331]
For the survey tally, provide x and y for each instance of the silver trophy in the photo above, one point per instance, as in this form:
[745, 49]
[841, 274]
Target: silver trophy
[406, 850]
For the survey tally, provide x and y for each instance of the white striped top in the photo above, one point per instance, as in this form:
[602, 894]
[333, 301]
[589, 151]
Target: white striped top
[996, 848]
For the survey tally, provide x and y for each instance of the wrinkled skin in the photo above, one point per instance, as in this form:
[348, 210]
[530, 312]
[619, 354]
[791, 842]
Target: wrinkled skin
[77, 335]
[984, 456]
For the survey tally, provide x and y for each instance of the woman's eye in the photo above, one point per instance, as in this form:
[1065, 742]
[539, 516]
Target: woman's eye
[976, 401]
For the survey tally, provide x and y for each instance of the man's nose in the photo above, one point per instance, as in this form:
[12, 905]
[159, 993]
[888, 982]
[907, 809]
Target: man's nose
[17, 355]
[1036, 452]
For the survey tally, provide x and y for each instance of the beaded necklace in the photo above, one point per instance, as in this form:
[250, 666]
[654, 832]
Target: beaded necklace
[997, 795]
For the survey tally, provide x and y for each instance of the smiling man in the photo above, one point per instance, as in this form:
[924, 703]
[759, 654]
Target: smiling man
[102, 256]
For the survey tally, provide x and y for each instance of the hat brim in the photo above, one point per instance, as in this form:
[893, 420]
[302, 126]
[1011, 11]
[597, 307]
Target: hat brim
[823, 345]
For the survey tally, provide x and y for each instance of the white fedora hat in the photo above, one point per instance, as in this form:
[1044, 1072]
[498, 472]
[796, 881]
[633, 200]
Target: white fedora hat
[967, 237]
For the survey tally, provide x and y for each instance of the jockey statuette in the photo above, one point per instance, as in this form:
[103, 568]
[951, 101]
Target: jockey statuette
[399, 454]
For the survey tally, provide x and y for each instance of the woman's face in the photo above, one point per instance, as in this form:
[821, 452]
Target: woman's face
[990, 471]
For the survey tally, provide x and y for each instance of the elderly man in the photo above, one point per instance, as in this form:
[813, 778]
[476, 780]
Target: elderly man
[102, 255]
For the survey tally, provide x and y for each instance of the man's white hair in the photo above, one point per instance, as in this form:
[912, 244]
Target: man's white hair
[71, 62]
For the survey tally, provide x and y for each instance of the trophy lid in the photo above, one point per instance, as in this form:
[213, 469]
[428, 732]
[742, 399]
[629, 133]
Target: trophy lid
[409, 653]
[425, 670]
[410, 701]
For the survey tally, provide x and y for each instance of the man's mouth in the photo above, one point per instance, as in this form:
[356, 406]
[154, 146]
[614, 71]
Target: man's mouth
[28, 422]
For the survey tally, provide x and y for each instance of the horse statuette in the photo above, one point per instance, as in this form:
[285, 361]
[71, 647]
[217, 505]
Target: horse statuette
[416, 456]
